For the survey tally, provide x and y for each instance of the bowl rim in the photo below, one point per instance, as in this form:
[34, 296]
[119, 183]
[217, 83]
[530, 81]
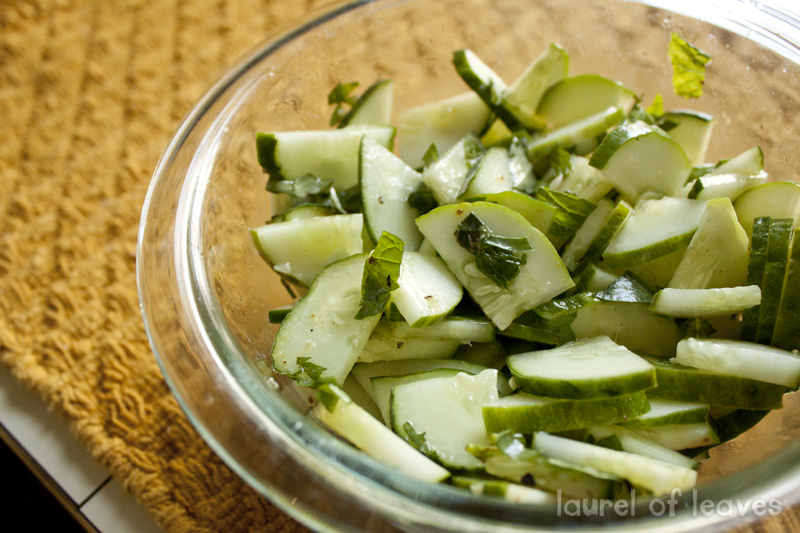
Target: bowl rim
[189, 272]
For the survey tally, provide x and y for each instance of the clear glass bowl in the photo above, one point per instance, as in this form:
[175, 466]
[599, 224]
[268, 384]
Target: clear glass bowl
[205, 292]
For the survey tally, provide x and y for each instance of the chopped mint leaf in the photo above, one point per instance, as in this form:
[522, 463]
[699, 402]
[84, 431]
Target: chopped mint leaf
[638, 114]
[495, 256]
[340, 96]
[656, 109]
[473, 151]
[560, 161]
[417, 440]
[422, 199]
[329, 395]
[572, 211]
[310, 374]
[381, 272]
[688, 67]
[306, 185]
[697, 328]
[626, 288]
[431, 155]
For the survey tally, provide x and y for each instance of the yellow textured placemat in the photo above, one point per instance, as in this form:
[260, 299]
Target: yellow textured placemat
[89, 94]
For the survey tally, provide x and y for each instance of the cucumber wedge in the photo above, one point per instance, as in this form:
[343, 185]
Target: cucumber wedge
[573, 99]
[786, 334]
[682, 383]
[541, 215]
[590, 368]
[382, 386]
[591, 228]
[692, 131]
[522, 97]
[493, 174]
[743, 359]
[575, 133]
[327, 154]
[656, 229]
[299, 249]
[542, 277]
[383, 345]
[443, 123]
[730, 186]
[780, 238]
[690, 303]
[654, 475]
[748, 163]
[373, 108]
[718, 253]
[353, 389]
[441, 416]
[365, 372]
[454, 328]
[427, 291]
[336, 411]
[583, 180]
[755, 274]
[320, 340]
[777, 199]
[277, 314]
[386, 181]
[508, 491]
[667, 412]
[488, 354]
[485, 82]
[632, 442]
[611, 226]
[304, 211]
[445, 178]
[681, 436]
[523, 413]
[642, 162]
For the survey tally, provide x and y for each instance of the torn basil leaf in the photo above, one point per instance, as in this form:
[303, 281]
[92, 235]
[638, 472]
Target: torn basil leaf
[498, 258]
[340, 96]
[309, 374]
[381, 272]
[560, 161]
[688, 67]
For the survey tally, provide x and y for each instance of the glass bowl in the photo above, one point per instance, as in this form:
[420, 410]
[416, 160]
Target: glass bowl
[205, 293]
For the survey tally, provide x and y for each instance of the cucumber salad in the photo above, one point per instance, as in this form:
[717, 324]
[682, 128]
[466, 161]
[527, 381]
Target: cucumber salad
[534, 288]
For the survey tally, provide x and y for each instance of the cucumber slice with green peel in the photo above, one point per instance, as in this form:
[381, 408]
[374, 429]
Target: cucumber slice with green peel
[522, 97]
[382, 386]
[611, 226]
[304, 211]
[320, 340]
[687, 384]
[690, 303]
[384, 346]
[426, 248]
[442, 123]
[743, 359]
[748, 163]
[524, 413]
[586, 234]
[658, 272]
[373, 107]
[691, 130]
[668, 412]
[656, 228]
[327, 154]
[454, 328]
[301, 248]
[589, 368]
[493, 174]
[642, 162]
[755, 274]
[427, 291]
[577, 132]
[542, 277]
[632, 442]
[364, 372]
[575, 98]
[786, 334]
[572, 213]
[508, 491]
[277, 314]
[730, 186]
[653, 475]
[780, 238]
[445, 177]
[488, 354]
[386, 181]
[497, 134]
[485, 82]
[776, 199]
[353, 389]
[583, 180]
[572, 481]
[595, 278]
[718, 254]
[347, 419]
[541, 215]
[680, 436]
[441, 416]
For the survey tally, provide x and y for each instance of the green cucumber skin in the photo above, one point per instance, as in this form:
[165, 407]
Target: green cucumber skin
[780, 237]
[564, 415]
[689, 416]
[372, 90]
[490, 94]
[714, 388]
[614, 222]
[786, 334]
[755, 274]
[554, 388]
[266, 145]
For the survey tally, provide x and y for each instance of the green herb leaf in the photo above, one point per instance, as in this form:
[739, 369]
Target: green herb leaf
[560, 161]
[329, 396]
[310, 374]
[495, 256]
[430, 156]
[417, 440]
[626, 288]
[688, 67]
[306, 185]
[572, 211]
[340, 96]
[381, 272]
[656, 109]
[422, 199]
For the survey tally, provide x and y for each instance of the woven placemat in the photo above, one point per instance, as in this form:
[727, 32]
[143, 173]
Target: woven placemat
[89, 94]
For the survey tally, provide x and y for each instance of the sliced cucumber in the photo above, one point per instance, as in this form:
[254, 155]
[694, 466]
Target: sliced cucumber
[632, 442]
[301, 248]
[497, 134]
[578, 97]
[327, 154]
[686, 384]
[590, 368]
[541, 215]
[681, 436]
[583, 180]
[743, 359]
[426, 247]
[786, 334]
[427, 291]
[445, 178]
[717, 255]
[454, 328]
[542, 277]
[304, 211]
[336, 411]
[373, 108]
[611, 226]
[488, 354]
[493, 174]
[577, 132]
[690, 303]
[364, 372]
[277, 314]
[386, 181]
[654, 475]
[382, 386]
[442, 123]
[780, 238]
[485, 82]
[595, 278]
[642, 162]
[656, 229]
[777, 199]
[441, 416]
[508, 491]
[755, 274]
[586, 234]
[524, 413]
[320, 339]
[523, 96]
[384, 346]
[692, 131]
[749, 163]
[730, 186]
[667, 412]
[353, 389]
